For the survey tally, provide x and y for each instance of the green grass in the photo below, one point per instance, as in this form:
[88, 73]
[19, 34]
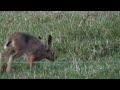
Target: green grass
[87, 43]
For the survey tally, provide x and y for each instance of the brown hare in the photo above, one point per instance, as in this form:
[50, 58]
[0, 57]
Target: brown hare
[23, 44]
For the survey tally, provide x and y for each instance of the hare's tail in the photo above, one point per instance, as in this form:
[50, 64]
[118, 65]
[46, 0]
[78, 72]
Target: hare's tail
[7, 44]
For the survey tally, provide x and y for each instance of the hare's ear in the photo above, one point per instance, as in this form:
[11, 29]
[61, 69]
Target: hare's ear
[49, 41]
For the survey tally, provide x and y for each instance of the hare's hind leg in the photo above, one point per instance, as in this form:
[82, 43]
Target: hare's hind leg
[13, 56]
[1, 66]
[3, 54]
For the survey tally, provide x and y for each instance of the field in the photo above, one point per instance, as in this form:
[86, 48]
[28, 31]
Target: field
[87, 43]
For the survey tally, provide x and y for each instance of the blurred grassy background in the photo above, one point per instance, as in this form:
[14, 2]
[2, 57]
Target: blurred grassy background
[87, 43]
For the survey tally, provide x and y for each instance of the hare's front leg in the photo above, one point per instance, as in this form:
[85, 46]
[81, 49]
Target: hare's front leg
[30, 59]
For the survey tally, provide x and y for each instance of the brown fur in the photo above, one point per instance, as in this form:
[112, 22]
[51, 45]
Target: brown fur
[22, 44]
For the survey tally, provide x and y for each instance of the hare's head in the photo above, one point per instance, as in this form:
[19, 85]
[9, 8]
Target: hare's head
[50, 55]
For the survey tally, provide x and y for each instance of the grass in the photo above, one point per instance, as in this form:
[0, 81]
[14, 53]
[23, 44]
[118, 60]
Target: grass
[87, 43]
